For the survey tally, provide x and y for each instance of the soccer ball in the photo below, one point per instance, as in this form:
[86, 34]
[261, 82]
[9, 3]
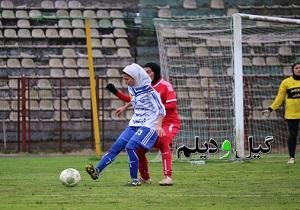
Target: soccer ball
[70, 177]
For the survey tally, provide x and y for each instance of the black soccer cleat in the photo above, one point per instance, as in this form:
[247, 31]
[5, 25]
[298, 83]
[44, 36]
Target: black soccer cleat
[91, 171]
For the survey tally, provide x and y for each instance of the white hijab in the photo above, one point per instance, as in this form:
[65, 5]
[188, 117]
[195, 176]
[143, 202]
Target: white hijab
[138, 74]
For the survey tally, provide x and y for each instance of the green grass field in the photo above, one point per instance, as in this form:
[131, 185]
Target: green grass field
[31, 182]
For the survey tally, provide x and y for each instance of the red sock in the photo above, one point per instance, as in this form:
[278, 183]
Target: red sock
[143, 164]
[166, 157]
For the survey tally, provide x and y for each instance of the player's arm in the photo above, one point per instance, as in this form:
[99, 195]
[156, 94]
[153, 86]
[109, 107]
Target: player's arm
[160, 131]
[172, 105]
[118, 93]
[171, 101]
[161, 113]
[121, 109]
[280, 97]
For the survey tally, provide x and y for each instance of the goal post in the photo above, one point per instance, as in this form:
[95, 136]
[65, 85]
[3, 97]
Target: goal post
[225, 71]
[238, 71]
[238, 85]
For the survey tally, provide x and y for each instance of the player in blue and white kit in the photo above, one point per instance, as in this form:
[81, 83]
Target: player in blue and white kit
[144, 126]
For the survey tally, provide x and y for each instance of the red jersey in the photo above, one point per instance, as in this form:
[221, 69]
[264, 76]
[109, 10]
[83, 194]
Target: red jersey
[168, 98]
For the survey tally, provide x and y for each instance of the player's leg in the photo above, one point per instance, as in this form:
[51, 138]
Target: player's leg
[133, 163]
[112, 153]
[145, 138]
[292, 139]
[164, 144]
[115, 149]
[143, 165]
[166, 156]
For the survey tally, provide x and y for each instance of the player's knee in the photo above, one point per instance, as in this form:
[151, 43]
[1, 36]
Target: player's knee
[131, 145]
[118, 146]
[142, 156]
[293, 134]
[164, 147]
[132, 154]
[141, 152]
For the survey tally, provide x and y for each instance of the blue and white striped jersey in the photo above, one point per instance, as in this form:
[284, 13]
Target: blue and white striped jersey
[147, 107]
[145, 100]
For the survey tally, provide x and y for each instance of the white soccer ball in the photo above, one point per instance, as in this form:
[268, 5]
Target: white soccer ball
[70, 177]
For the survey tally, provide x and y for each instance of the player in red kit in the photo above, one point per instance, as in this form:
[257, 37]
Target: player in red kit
[171, 124]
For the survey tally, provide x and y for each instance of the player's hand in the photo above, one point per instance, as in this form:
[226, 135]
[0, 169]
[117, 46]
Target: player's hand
[267, 112]
[119, 111]
[111, 88]
[160, 131]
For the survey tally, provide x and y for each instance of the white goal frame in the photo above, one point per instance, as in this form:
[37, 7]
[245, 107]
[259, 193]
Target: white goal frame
[225, 71]
[238, 72]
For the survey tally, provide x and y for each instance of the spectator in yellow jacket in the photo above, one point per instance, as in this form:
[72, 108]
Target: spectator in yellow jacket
[289, 93]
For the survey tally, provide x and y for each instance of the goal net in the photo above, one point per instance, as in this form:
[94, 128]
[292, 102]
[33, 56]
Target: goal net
[225, 71]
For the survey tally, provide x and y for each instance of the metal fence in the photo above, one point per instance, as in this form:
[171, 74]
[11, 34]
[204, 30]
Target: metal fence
[54, 114]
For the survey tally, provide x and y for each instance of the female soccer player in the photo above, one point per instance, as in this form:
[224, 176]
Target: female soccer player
[144, 126]
[171, 124]
[289, 92]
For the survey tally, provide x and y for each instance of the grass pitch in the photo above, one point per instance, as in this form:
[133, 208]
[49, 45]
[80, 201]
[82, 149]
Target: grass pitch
[31, 182]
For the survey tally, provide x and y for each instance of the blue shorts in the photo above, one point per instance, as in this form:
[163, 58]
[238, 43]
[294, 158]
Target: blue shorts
[143, 136]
